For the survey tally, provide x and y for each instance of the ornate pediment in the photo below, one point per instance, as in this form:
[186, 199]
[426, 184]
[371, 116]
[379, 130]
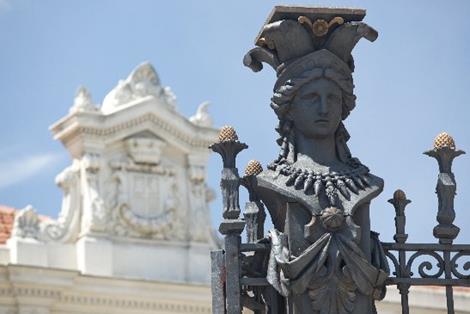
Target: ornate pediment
[142, 82]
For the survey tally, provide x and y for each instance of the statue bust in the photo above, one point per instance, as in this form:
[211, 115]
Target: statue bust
[324, 257]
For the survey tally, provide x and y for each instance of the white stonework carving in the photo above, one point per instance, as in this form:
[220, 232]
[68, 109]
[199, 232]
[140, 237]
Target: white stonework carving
[26, 223]
[66, 227]
[145, 150]
[94, 215]
[170, 98]
[142, 82]
[200, 198]
[202, 116]
[83, 101]
[200, 229]
[134, 197]
[28, 289]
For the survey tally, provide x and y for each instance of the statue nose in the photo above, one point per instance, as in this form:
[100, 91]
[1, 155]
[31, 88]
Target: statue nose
[323, 109]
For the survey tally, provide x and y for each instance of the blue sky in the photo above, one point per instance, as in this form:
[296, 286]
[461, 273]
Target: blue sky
[411, 84]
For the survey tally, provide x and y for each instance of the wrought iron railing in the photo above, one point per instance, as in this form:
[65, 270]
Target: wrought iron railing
[237, 283]
[440, 266]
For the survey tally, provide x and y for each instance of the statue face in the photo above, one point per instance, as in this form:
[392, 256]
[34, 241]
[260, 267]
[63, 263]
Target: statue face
[316, 109]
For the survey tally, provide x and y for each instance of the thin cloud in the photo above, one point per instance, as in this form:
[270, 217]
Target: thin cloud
[5, 5]
[21, 169]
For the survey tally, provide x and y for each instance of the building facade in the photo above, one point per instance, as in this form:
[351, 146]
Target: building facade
[135, 207]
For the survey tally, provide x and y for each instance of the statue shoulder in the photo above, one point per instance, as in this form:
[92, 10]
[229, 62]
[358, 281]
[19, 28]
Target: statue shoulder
[275, 190]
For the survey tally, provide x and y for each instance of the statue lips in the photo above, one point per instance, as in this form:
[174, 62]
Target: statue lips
[322, 123]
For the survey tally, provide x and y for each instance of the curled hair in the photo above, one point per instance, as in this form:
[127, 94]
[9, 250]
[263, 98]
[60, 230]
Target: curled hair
[281, 103]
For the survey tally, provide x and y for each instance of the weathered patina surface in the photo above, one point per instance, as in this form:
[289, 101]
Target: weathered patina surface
[317, 194]
[321, 257]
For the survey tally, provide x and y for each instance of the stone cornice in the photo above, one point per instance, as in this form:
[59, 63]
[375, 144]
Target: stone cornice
[144, 111]
[27, 285]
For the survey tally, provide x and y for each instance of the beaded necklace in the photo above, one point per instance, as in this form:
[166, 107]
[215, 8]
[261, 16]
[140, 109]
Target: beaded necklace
[314, 182]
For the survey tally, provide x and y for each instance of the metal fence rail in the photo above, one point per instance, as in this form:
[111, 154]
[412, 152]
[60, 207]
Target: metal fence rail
[237, 284]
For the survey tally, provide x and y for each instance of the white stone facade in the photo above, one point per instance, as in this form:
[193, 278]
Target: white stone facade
[135, 201]
[35, 290]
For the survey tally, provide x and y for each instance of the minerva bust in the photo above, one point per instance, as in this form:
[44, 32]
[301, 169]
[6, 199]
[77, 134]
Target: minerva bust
[324, 257]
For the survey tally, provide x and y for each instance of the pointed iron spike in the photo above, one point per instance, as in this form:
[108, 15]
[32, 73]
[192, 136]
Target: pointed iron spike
[318, 186]
[343, 189]
[299, 181]
[308, 183]
[351, 185]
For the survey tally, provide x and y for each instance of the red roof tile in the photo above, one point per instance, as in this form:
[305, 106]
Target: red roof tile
[7, 217]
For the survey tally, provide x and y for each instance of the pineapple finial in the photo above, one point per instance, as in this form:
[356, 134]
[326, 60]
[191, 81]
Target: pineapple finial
[444, 140]
[253, 168]
[228, 134]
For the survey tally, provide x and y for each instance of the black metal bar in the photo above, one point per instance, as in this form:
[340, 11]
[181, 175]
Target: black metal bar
[399, 202]
[428, 281]
[404, 288]
[449, 289]
[232, 266]
[218, 282]
[425, 247]
[254, 282]
[249, 247]
[450, 299]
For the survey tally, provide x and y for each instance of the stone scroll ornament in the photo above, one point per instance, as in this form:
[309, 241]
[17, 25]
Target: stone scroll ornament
[324, 258]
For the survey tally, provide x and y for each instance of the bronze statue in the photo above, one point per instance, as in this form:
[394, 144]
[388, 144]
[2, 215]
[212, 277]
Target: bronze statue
[324, 258]
[321, 256]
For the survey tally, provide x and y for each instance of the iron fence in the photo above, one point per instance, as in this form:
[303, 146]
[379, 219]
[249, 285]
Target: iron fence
[238, 277]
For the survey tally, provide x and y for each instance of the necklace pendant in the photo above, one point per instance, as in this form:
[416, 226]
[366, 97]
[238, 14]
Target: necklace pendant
[343, 189]
[308, 183]
[318, 186]
[351, 185]
[299, 181]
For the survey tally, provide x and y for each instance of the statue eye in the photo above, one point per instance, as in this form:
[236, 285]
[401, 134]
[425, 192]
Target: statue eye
[310, 96]
[334, 98]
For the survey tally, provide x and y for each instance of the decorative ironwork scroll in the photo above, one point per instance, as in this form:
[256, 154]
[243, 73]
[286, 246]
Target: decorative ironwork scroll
[440, 266]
